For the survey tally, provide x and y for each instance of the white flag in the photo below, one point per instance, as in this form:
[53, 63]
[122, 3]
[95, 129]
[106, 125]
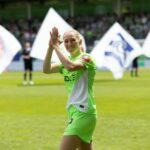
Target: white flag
[116, 50]
[146, 46]
[40, 44]
[9, 46]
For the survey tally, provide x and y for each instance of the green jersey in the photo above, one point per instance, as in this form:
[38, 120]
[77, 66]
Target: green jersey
[80, 84]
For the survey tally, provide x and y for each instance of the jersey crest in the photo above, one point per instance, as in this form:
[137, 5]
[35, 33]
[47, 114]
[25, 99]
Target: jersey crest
[86, 58]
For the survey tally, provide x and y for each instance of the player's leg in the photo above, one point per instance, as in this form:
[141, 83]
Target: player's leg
[132, 72]
[136, 72]
[80, 130]
[25, 73]
[73, 142]
[30, 72]
[85, 146]
[25, 77]
[30, 77]
[70, 142]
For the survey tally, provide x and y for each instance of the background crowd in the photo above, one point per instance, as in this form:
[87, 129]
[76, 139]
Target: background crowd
[92, 27]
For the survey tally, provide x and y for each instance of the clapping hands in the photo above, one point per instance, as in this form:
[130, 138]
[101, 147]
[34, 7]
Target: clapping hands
[54, 38]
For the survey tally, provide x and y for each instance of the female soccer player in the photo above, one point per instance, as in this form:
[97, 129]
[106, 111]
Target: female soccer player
[78, 70]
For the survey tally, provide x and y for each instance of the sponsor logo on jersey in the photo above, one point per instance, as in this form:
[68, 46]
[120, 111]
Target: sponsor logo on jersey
[70, 78]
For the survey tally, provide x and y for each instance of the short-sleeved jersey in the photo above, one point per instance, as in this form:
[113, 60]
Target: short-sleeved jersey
[80, 84]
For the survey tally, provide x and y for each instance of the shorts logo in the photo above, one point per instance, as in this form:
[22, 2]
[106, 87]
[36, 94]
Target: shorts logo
[70, 121]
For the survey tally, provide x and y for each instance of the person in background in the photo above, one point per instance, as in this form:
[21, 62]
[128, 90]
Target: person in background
[27, 63]
[134, 68]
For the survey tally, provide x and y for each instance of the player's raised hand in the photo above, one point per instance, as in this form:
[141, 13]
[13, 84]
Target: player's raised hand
[54, 37]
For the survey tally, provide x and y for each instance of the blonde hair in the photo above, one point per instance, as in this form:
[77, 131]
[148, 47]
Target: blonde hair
[77, 34]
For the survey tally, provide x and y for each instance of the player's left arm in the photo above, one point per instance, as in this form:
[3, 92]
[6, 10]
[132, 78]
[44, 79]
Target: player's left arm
[85, 61]
[68, 64]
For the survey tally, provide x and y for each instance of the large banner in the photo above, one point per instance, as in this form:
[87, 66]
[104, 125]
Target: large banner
[116, 50]
[146, 46]
[40, 44]
[9, 46]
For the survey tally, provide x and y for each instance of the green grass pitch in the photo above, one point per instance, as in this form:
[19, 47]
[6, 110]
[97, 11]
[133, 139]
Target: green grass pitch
[34, 117]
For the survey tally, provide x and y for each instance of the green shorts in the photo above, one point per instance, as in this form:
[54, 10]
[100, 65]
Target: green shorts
[81, 124]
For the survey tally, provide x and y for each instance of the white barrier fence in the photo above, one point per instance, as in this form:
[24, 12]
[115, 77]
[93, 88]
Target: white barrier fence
[19, 66]
[37, 65]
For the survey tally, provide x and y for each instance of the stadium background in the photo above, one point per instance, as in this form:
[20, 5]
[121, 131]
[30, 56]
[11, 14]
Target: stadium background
[90, 18]
[34, 117]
